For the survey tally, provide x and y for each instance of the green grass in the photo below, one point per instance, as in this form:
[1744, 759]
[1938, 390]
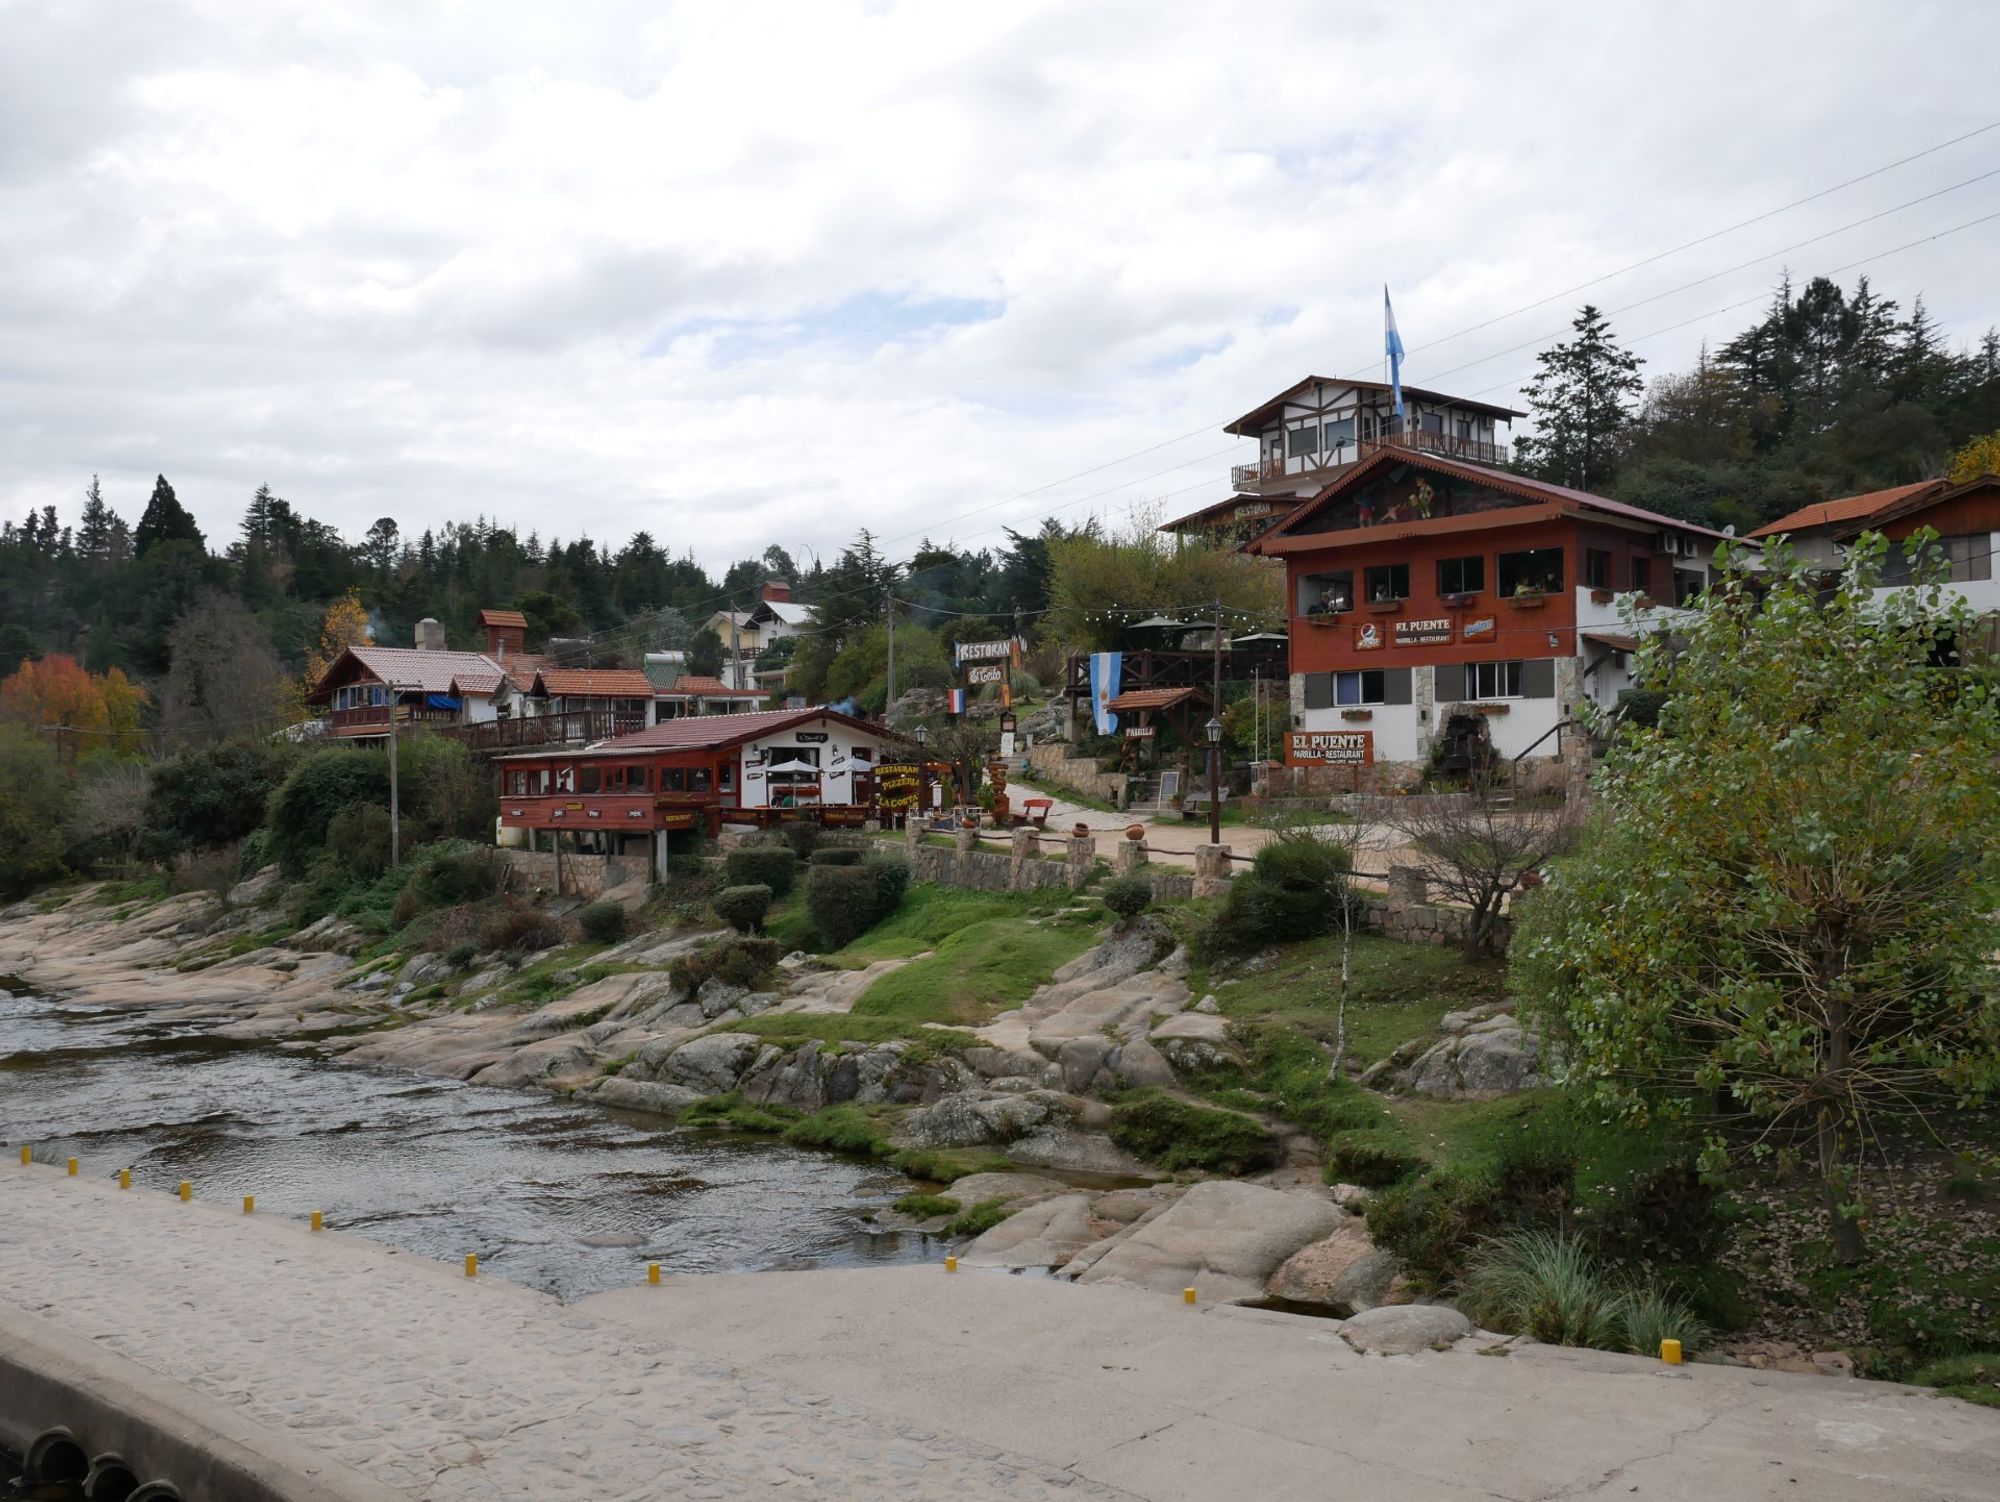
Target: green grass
[732, 1111]
[821, 1027]
[1975, 1378]
[1177, 1135]
[980, 1219]
[947, 1165]
[985, 953]
[926, 1206]
[840, 1129]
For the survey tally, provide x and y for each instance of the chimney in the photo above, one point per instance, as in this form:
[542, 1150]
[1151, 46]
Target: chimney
[430, 635]
[777, 590]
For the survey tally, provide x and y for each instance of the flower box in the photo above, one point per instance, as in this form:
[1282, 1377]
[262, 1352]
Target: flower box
[1357, 714]
[1602, 596]
[1527, 602]
[1459, 601]
[1384, 607]
[1490, 709]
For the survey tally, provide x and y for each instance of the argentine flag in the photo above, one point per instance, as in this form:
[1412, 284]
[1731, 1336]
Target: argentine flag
[1392, 343]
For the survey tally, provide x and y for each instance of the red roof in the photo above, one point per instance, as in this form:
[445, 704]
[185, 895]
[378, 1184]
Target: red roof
[713, 732]
[1139, 700]
[476, 682]
[1499, 479]
[503, 618]
[701, 686]
[588, 683]
[408, 668]
[1847, 508]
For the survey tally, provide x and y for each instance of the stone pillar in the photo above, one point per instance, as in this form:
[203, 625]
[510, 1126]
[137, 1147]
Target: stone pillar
[1211, 870]
[1129, 858]
[1408, 887]
[1021, 851]
[1081, 852]
[913, 828]
[965, 841]
[1423, 689]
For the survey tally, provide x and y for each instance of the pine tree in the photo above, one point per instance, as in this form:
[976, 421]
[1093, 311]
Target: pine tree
[1582, 401]
[165, 520]
[100, 525]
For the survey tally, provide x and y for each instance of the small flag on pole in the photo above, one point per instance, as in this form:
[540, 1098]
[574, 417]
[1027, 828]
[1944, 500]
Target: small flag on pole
[954, 701]
[1392, 344]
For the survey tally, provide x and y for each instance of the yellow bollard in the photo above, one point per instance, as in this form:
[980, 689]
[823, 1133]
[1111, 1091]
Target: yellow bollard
[27, 1155]
[472, 1264]
[1670, 1352]
[1187, 1295]
[124, 1178]
[72, 1168]
[187, 1191]
[249, 1204]
[319, 1222]
[653, 1273]
[951, 1264]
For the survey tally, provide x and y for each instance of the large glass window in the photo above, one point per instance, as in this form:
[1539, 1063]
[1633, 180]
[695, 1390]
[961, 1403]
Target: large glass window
[589, 779]
[1642, 574]
[1461, 576]
[1970, 558]
[1596, 569]
[1339, 434]
[1302, 440]
[1537, 571]
[1359, 688]
[1326, 594]
[1493, 680]
[1388, 581]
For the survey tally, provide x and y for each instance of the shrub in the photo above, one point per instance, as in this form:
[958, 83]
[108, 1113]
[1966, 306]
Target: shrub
[203, 799]
[312, 793]
[445, 792]
[358, 837]
[926, 1206]
[603, 922]
[837, 855]
[1546, 1287]
[446, 875]
[255, 854]
[745, 962]
[772, 866]
[521, 929]
[1128, 896]
[1652, 1316]
[1373, 1158]
[802, 837]
[1434, 1223]
[980, 1219]
[461, 954]
[1177, 1135]
[841, 900]
[743, 908]
[1293, 890]
[892, 883]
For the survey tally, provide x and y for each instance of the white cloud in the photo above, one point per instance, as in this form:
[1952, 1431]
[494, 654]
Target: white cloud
[741, 273]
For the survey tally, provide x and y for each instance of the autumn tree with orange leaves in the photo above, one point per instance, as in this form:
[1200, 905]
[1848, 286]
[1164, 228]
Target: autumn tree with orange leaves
[80, 711]
[345, 625]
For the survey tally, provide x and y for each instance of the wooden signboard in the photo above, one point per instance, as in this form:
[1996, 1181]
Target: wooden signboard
[896, 785]
[1330, 748]
[992, 672]
[1140, 732]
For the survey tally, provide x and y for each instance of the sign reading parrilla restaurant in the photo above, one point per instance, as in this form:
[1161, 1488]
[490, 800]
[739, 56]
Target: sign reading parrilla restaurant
[1423, 633]
[1330, 748]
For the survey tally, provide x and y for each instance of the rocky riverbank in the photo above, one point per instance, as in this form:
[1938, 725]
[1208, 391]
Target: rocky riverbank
[1034, 1086]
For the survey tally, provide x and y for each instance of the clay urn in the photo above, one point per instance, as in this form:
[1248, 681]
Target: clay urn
[1135, 832]
[1080, 829]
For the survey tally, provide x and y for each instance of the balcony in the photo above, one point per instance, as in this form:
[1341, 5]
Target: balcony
[579, 727]
[1310, 469]
[373, 719]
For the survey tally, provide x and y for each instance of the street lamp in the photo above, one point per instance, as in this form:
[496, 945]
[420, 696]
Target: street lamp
[1214, 728]
[923, 733]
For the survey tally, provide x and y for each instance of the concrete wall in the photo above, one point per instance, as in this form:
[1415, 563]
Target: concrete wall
[582, 875]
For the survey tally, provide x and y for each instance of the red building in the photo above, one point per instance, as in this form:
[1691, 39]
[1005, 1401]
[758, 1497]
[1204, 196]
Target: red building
[626, 794]
[1420, 586]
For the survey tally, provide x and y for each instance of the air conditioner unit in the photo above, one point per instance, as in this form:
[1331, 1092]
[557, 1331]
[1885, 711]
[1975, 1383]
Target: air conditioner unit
[1663, 542]
[1674, 544]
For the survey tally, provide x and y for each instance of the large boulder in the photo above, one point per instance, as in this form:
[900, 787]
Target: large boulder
[1483, 1054]
[1404, 1329]
[1223, 1238]
[641, 1095]
[713, 1065]
[1043, 1234]
[1344, 1274]
[973, 1118]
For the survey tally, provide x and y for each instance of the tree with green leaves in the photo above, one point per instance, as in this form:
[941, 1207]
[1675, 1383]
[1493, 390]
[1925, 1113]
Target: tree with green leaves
[1784, 921]
[165, 520]
[704, 653]
[1582, 400]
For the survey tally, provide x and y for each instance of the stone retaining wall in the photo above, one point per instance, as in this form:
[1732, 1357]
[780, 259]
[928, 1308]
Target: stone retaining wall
[1053, 762]
[1022, 867]
[588, 876]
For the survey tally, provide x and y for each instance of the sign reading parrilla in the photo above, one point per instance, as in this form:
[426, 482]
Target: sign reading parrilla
[1330, 748]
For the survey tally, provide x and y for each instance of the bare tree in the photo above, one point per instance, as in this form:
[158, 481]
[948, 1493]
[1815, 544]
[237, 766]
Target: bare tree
[224, 680]
[1478, 847]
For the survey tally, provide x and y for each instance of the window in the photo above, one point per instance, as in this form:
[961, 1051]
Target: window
[1433, 422]
[1461, 576]
[517, 784]
[1349, 690]
[673, 780]
[1596, 569]
[1339, 434]
[1688, 585]
[793, 756]
[1493, 680]
[1302, 440]
[565, 779]
[1969, 558]
[699, 779]
[1388, 581]
[1536, 571]
[1465, 428]
[1326, 594]
[589, 779]
[1642, 574]
[1377, 425]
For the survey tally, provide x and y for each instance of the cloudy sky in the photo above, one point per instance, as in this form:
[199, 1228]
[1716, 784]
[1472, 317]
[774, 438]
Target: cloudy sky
[737, 273]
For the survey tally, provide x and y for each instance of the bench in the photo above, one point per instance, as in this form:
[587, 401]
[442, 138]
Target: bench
[1197, 804]
[1035, 811]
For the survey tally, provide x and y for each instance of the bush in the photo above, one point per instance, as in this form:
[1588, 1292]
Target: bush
[1652, 1316]
[447, 875]
[841, 900]
[603, 922]
[461, 954]
[200, 800]
[772, 866]
[1293, 890]
[1177, 1135]
[255, 854]
[802, 837]
[742, 962]
[1546, 1287]
[841, 1129]
[837, 855]
[445, 791]
[1128, 896]
[358, 838]
[1434, 1223]
[1373, 1158]
[743, 908]
[521, 929]
[316, 789]
[892, 883]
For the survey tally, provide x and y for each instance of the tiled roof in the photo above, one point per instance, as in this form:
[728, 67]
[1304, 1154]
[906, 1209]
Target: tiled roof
[1847, 508]
[706, 731]
[1139, 699]
[477, 682]
[424, 672]
[503, 618]
[700, 686]
[584, 683]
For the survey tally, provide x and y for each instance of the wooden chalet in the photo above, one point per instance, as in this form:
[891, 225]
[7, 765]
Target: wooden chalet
[366, 690]
[627, 794]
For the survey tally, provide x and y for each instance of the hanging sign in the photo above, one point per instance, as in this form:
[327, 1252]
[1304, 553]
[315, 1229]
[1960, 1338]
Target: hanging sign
[1007, 725]
[1423, 633]
[1330, 748]
[991, 673]
[677, 821]
[989, 651]
[1473, 630]
[1139, 732]
[811, 737]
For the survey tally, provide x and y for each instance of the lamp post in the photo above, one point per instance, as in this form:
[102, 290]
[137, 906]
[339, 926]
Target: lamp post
[1214, 728]
[923, 734]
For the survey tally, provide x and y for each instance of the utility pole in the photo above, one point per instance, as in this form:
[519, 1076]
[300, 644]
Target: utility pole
[395, 788]
[1215, 738]
[735, 678]
[889, 617]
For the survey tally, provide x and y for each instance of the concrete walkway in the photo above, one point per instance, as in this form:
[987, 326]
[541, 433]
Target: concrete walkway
[900, 1382]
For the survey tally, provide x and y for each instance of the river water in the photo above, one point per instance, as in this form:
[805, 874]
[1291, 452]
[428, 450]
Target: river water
[564, 1198]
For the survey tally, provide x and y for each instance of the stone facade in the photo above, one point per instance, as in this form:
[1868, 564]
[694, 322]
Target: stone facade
[589, 876]
[1053, 762]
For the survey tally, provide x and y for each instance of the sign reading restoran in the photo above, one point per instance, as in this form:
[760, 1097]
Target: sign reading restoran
[1330, 748]
[990, 651]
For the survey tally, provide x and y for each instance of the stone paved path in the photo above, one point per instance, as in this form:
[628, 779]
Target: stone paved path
[438, 1387]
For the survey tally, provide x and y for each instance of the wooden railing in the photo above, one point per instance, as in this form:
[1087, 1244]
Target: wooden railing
[1277, 467]
[373, 719]
[576, 727]
[1150, 669]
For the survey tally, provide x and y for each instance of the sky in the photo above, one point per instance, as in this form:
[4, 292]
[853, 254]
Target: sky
[743, 273]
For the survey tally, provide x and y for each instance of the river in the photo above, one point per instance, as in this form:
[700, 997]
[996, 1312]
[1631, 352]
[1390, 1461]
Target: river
[564, 1198]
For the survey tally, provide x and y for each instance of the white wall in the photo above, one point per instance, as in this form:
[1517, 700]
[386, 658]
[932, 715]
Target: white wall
[836, 766]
